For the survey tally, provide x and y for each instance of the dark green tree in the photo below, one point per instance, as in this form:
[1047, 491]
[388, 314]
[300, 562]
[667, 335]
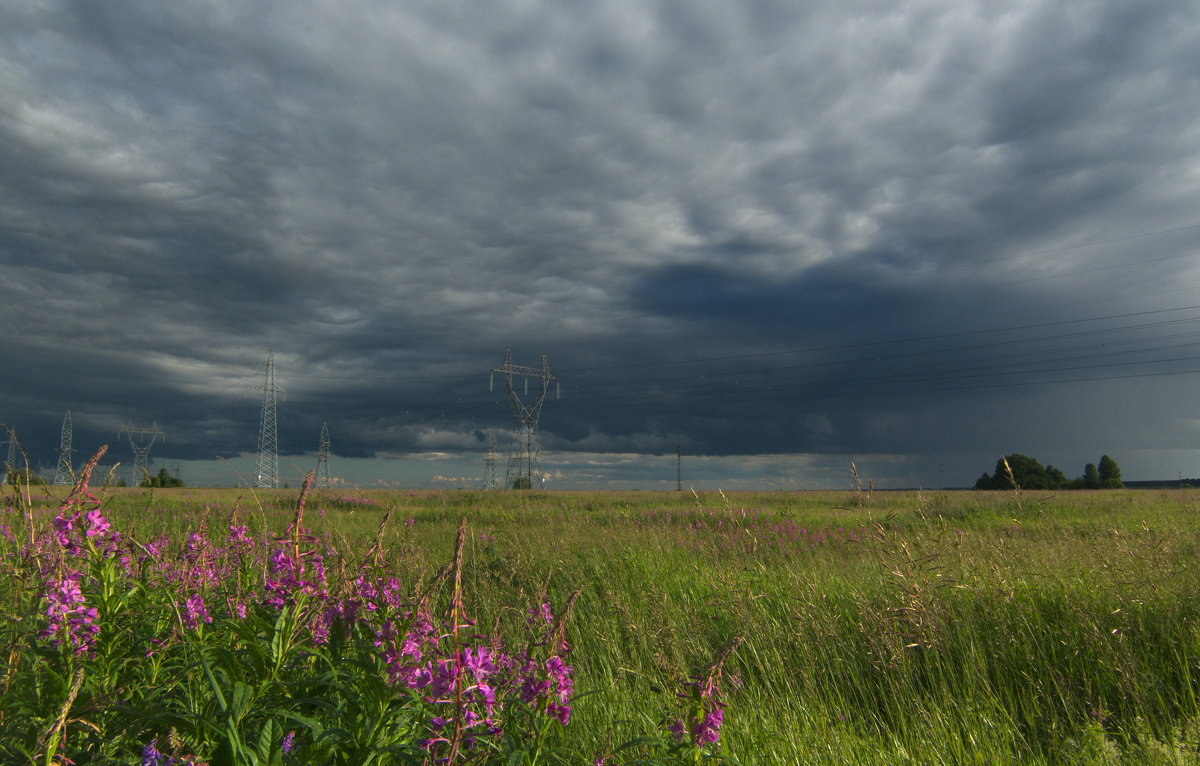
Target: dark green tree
[1110, 473]
[985, 482]
[1022, 472]
[1091, 477]
[1055, 478]
[162, 479]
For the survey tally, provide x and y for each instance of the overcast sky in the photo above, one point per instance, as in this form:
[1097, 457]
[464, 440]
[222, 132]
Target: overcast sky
[915, 235]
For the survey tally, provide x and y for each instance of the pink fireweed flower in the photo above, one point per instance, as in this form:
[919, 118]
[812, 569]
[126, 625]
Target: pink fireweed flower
[534, 685]
[237, 608]
[321, 622]
[69, 619]
[706, 710]
[707, 731]
[403, 654]
[64, 527]
[447, 672]
[543, 614]
[479, 662]
[560, 713]
[239, 536]
[155, 547]
[549, 684]
[194, 612]
[560, 677]
[288, 577]
[676, 728]
[95, 523]
[368, 594]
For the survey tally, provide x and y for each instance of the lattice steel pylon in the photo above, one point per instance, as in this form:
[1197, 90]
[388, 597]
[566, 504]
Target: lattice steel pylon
[64, 473]
[489, 462]
[140, 441]
[322, 475]
[524, 460]
[10, 462]
[679, 466]
[267, 474]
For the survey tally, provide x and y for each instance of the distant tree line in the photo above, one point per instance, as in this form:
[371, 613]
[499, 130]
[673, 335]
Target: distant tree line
[1024, 472]
[162, 479]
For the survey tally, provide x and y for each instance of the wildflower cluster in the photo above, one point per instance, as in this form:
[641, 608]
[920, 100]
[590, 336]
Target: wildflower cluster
[78, 527]
[250, 650]
[69, 619]
[704, 709]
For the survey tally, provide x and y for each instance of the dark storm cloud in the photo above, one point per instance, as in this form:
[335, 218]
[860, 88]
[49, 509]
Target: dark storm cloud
[749, 226]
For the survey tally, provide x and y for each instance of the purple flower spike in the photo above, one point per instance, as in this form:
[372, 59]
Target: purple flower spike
[151, 756]
[96, 523]
[194, 611]
[708, 731]
[69, 619]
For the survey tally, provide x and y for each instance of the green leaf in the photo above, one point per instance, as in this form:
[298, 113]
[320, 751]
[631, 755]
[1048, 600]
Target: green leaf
[269, 744]
[213, 686]
[241, 699]
[313, 725]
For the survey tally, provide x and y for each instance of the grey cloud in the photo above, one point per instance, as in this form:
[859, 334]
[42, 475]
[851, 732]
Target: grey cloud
[389, 196]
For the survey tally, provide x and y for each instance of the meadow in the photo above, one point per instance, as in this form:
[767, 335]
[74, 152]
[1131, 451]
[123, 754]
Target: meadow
[347, 626]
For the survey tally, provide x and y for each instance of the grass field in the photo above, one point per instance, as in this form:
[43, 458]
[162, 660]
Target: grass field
[892, 628]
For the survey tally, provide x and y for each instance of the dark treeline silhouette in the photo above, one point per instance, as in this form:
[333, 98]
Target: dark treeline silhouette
[1018, 471]
[162, 479]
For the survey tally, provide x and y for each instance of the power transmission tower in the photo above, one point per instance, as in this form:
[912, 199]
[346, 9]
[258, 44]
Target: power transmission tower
[10, 462]
[524, 458]
[140, 441]
[322, 477]
[268, 431]
[65, 474]
[489, 463]
[679, 466]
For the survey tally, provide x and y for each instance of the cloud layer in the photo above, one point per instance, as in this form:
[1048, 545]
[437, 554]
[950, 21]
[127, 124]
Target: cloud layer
[757, 228]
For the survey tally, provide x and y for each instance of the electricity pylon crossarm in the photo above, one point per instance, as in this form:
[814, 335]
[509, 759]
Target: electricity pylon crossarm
[140, 441]
[524, 461]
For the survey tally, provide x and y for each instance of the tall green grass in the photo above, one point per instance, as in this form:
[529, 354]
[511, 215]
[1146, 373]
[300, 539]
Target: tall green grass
[899, 628]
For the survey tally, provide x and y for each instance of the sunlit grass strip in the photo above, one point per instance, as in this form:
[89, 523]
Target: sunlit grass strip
[889, 628]
[235, 648]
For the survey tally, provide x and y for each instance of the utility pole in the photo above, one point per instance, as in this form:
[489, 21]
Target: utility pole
[489, 462]
[323, 449]
[524, 460]
[140, 441]
[64, 473]
[267, 474]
